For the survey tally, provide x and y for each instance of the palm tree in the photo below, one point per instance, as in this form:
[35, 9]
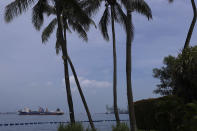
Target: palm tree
[117, 15]
[37, 20]
[141, 7]
[63, 45]
[191, 28]
[79, 23]
[19, 6]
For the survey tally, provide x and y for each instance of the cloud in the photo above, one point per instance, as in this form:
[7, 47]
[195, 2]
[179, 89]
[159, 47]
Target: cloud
[87, 83]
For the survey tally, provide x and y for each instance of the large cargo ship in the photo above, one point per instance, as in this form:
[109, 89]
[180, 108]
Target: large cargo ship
[40, 111]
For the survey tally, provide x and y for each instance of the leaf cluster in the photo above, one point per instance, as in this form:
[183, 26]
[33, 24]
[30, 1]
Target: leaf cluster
[117, 12]
[178, 75]
[74, 16]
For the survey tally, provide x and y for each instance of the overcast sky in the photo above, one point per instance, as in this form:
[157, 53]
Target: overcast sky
[31, 74]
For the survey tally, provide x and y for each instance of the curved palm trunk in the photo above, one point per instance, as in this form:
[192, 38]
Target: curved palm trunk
[115, 69]
[81, 94]
[66, 73]
[189, 35]
[133, 125]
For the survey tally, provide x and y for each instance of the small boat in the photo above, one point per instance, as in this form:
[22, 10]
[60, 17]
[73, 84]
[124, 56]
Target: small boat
[40, 111]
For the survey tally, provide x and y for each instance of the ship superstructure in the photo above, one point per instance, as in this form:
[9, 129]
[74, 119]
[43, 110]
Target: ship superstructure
[41, 111]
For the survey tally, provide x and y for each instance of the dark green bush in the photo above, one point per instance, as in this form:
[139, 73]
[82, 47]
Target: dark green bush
[189, 122]
[144, 112]
[168, 113]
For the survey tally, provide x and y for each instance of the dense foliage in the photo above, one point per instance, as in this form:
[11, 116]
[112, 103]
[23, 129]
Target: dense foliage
[177, 110]
[167, 113]
[178, 75]
[144, 112]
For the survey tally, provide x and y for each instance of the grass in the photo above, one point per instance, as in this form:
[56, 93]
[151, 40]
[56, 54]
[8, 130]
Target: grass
[73, 127]
[120, 127]
[79, 127]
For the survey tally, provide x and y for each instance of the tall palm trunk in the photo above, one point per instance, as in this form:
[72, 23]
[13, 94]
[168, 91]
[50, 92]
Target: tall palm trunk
[133, 125]
[66, 73]
[115, 68]
[189, 35]
[81, 94]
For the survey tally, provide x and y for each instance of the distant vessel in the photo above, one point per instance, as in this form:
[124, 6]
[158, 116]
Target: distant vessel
[40, 111]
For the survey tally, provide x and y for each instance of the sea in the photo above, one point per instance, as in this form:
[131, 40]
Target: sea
[15, 122]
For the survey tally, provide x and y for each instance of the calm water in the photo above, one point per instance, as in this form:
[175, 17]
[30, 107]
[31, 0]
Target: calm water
[13, 118]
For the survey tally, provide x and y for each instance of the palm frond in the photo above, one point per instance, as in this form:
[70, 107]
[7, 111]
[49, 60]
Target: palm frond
[65, 24]
[124, 3]
[79, 29]
[78, 14]
[103, 23]
[37, 14]
[120, 15]
[48, 30]
[49, 10]
[142, 7]
[16, 8]
[90, 6]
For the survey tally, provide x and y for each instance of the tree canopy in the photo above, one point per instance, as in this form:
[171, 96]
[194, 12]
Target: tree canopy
[178, 75]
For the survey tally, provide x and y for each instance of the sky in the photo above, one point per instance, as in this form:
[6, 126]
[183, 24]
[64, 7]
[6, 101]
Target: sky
[31, 74]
